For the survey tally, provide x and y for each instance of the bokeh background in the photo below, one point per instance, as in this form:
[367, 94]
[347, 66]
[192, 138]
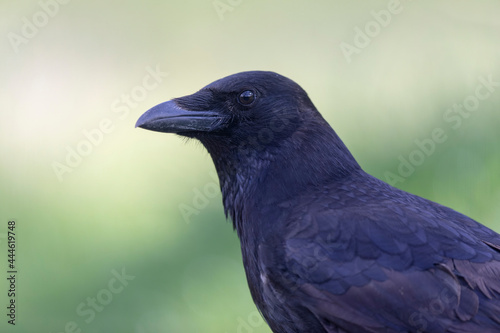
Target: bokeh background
[146, 204]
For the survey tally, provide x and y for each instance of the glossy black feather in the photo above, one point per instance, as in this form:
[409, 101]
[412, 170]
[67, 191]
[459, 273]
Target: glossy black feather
[327, 247]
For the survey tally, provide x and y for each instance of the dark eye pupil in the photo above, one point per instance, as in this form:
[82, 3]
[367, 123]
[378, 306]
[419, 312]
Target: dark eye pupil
[246, 97]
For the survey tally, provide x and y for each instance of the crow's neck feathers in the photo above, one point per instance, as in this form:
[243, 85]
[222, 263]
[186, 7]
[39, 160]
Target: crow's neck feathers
[312, 156]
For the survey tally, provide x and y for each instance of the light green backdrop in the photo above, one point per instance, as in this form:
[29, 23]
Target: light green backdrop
[94, 198]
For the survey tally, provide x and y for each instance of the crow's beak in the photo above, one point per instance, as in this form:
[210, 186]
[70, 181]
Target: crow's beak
[169, 117]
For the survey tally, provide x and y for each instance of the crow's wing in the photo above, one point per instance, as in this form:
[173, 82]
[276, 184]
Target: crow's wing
[389, 268]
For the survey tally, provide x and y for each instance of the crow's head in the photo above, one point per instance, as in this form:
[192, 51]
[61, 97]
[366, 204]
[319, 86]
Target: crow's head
[254, 121]
[249, 110]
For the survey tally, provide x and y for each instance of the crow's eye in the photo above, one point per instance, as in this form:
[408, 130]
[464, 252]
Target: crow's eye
[246, 98]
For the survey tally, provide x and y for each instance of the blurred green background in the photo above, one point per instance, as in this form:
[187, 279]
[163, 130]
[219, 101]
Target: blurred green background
[76, 76]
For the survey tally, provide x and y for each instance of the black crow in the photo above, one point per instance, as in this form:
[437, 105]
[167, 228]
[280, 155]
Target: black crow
[327, 247]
